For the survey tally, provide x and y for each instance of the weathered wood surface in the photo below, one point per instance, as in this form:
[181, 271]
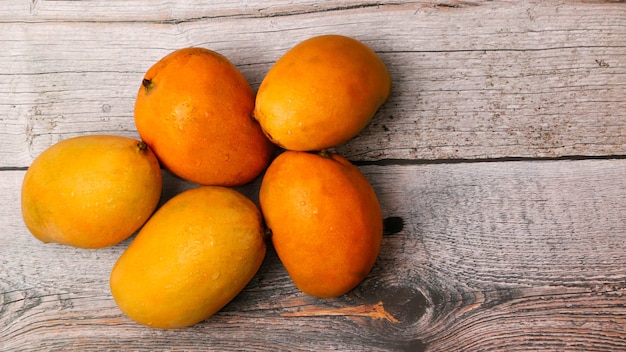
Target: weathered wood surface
[491, 256]
[473, 80]
[496, 253]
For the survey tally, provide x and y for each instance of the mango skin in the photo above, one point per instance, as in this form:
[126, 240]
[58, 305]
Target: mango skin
[193, 256]
[91, 191]
[321, 93]
[325, 218]
[193, 109]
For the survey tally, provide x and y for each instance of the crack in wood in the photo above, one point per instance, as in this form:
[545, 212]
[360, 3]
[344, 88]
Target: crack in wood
[500, 50]
[374, 311]
[455, 4]
[256, 13]
[33, 6]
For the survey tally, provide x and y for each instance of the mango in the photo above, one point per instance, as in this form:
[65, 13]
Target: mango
[193, 109]
[193, 256]
[321, 93]
[91, 191]
[325, 219]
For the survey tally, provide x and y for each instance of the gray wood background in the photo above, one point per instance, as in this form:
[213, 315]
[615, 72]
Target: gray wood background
[502, 149]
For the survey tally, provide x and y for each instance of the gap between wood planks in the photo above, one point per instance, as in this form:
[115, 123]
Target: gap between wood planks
[388, 162]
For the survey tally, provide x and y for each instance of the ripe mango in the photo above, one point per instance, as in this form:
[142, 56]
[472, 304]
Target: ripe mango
[193, 256]
[91, 191]
[325, 219]
[193, 109]
[321, 93]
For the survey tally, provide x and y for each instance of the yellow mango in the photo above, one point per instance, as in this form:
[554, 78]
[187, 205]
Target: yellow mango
[91, 191]
[195, 254]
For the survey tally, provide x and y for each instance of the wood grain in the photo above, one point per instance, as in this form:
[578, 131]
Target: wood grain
[492, 256]
[472, 80]
[499, 162]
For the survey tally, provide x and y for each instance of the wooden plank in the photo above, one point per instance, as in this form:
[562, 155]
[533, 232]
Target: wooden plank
[473, 80]
[172, 12]
[524, 255]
